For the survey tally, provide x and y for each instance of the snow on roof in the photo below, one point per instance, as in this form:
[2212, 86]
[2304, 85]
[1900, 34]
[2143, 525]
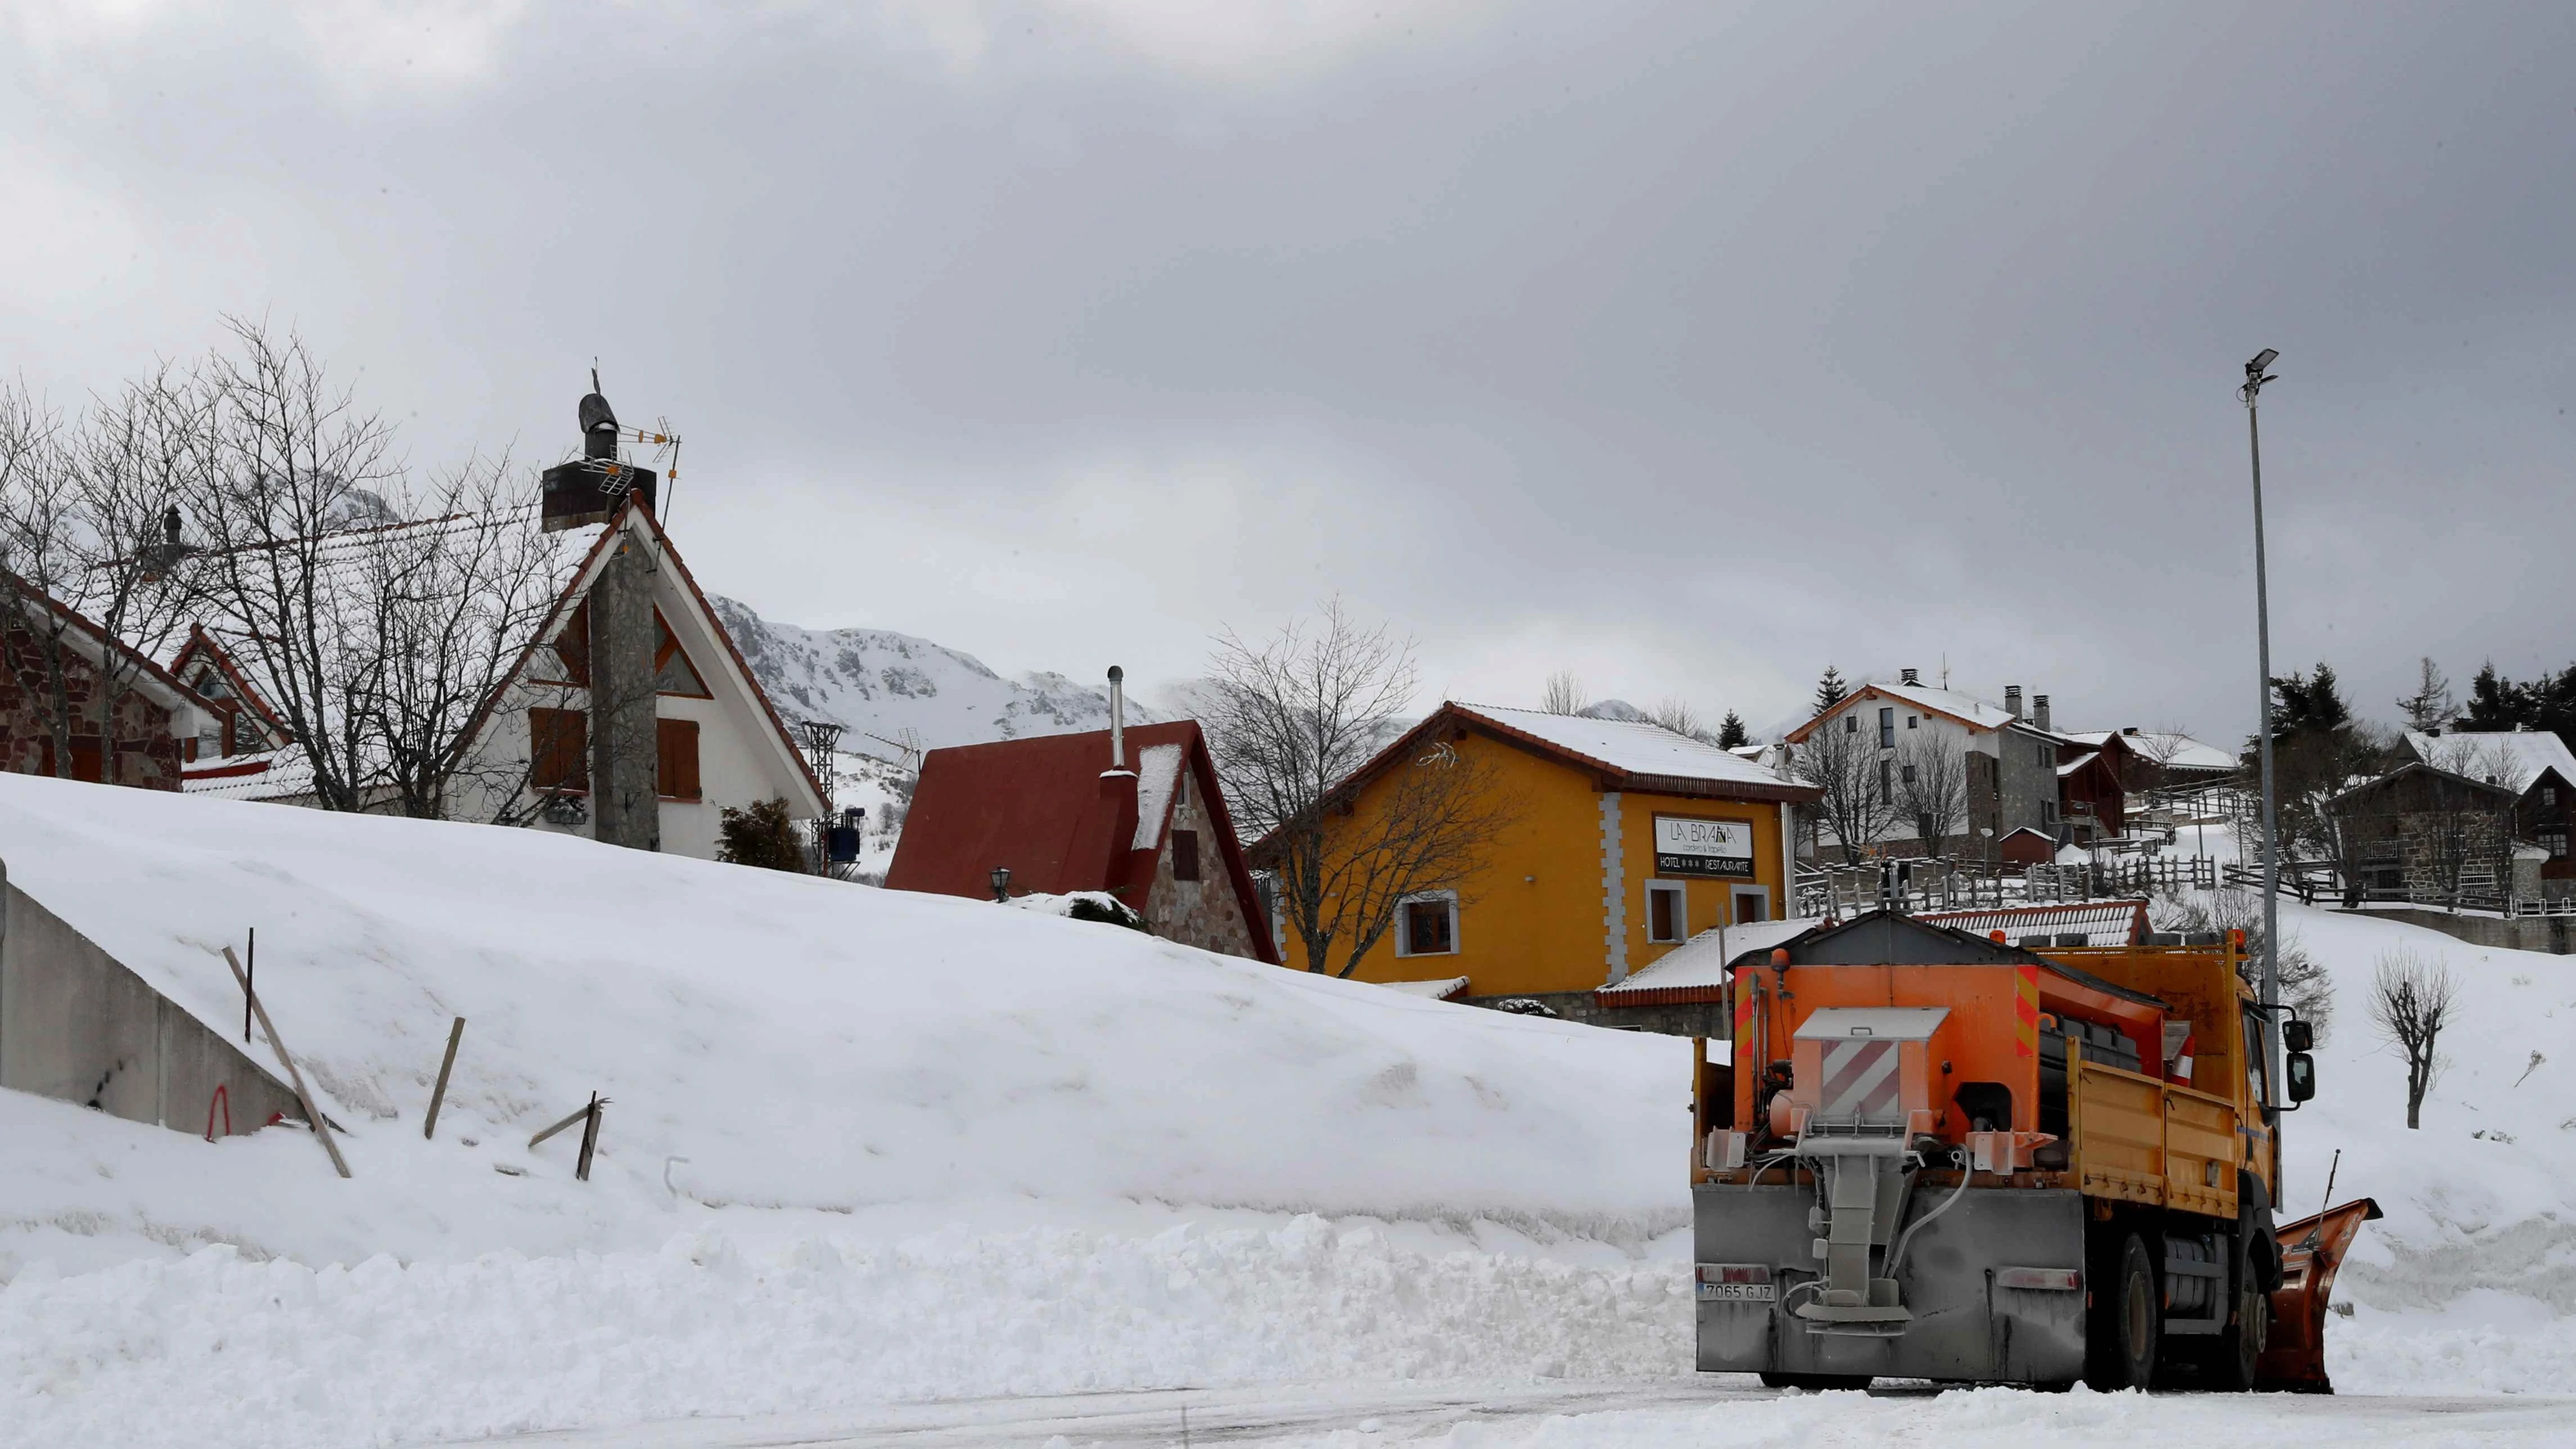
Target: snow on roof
[1635, 747]
[2104, 923]
[1447, 988]
[1700, 963]
[1948, 701]
[2169, 748]
[2511, 758]
[2079, 762]
[1158, 769]
[280, 774]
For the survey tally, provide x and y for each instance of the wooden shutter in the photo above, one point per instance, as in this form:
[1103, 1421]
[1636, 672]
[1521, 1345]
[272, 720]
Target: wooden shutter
[676, 759]
[558, 749]
[1185, 855]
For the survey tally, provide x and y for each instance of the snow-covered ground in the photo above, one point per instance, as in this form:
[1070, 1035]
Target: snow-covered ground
[870, 1150]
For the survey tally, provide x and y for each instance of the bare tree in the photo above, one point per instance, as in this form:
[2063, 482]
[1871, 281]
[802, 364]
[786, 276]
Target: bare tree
[85, 549]
[291, 464]
[1676, 714]
[2430, 707]
[1932, 789]
[2411, 1001]
[1564, 694]
[1844, 764]
[454, 602]
[1289, 721]
[39, 558]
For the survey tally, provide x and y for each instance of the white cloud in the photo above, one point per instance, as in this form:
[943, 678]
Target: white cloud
[1231, 40]
[72, 249]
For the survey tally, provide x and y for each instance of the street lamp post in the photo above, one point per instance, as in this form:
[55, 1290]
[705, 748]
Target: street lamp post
[2255, 377]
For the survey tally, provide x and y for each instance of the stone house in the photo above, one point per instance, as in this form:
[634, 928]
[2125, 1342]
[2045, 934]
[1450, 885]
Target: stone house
[2537, 766]
[2423, 833]
[152, 722]
[1137, 814]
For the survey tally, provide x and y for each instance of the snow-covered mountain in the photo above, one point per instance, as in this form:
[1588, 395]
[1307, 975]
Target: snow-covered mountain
[893, 690]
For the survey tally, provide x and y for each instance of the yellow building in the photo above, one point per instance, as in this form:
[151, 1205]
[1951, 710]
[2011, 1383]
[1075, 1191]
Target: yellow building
[1625, 840]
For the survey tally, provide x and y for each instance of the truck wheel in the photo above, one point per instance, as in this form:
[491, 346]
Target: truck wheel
[1814, 1383]
[2127, 1319]
[2231, 1361]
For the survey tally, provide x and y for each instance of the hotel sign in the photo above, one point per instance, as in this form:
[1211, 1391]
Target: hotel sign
[1684, 846]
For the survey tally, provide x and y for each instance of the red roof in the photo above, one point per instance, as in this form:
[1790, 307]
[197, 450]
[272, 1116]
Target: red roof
[1047, 808]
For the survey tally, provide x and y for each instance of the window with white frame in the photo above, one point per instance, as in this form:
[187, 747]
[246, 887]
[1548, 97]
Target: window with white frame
[1667, 911]
[1427, 925]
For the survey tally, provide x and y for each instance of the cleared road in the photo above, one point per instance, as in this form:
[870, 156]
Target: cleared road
[1695, 1412]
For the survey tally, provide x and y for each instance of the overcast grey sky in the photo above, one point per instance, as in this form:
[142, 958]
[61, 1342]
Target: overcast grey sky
[1686, 346]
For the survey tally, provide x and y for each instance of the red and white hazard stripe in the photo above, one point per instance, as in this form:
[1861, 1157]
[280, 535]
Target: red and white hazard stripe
[1860, 1081]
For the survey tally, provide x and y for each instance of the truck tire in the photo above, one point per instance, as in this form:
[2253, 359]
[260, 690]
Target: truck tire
[2231, 1357]
[1814, 1383]
[2127, 1319]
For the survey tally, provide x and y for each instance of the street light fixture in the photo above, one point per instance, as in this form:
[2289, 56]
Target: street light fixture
[1002, 884]
[2251, 392]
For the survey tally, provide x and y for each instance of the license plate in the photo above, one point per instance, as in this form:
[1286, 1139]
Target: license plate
[1738, 1293]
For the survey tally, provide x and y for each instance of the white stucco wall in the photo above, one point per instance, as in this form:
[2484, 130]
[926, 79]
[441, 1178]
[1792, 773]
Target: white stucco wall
[737, 765]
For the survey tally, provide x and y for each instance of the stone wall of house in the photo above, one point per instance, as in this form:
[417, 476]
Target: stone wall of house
[146, 755]
[1204, 912]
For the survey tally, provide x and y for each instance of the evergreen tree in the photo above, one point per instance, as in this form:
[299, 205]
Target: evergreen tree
[1830, 690]
[1731, 732]
[2495, 702]
[760, 834]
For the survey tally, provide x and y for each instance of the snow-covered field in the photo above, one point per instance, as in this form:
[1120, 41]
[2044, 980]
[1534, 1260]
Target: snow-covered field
[870, 1150]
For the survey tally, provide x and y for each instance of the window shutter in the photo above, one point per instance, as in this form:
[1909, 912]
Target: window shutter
[676, 759]
[1185, 855]
[558, 749]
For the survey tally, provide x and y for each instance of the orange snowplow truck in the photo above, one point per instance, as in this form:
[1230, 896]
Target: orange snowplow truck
[1939, 1156]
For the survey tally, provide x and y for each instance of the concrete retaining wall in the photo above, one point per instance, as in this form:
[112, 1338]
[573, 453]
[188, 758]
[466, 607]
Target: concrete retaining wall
[76, 1025]
[2553, 934]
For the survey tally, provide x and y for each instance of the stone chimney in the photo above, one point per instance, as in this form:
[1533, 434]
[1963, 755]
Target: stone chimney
[1910, 676]
[2012, 700]
[625, 808]
[2039, 711]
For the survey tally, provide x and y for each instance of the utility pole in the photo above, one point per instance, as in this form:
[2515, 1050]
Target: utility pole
[2255, 377]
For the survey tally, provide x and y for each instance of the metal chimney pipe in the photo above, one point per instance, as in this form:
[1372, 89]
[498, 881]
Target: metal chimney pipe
[1117, 718]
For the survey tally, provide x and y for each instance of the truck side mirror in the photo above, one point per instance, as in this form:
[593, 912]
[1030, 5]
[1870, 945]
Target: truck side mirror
[2298, 1036]
[2302, 1076]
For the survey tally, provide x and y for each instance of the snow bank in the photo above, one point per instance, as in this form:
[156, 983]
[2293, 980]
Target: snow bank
[769, 1041]
[217, 1350]
[2483, 1197]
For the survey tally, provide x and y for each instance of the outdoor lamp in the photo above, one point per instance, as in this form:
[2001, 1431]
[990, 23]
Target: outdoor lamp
[1001, 883]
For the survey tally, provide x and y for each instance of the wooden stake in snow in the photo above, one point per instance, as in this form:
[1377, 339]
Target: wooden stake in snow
[294, 1078]
[438, 1094]
[589, 1140]
[588, 1115]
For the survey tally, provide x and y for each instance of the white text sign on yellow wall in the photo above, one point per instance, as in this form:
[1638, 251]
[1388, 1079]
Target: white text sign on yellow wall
[1685, 846]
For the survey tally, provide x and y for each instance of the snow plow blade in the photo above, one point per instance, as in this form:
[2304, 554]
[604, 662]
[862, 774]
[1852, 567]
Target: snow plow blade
[2294, 1355]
